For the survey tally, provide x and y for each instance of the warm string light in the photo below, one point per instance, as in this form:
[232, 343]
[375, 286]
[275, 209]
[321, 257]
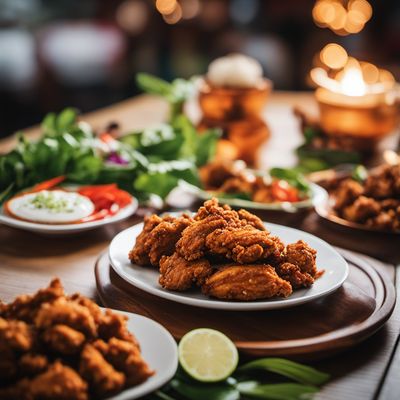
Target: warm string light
[344, 17]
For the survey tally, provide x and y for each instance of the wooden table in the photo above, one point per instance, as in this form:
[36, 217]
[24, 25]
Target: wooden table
[28, 261]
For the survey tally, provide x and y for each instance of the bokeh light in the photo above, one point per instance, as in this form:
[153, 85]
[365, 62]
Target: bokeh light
[334, 56]
[175, 16]
[166, 7]
[341, 16]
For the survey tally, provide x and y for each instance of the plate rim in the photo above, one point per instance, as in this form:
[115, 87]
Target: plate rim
[229, 305]
[146, 387]
[122, 214]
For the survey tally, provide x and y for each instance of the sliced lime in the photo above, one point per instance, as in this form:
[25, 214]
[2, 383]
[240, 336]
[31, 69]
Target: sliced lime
[207, 355]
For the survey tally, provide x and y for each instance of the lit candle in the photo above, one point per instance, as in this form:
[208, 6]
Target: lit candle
[350, 106]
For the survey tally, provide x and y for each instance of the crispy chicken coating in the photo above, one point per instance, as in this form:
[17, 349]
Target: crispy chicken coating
[243, 245]
[26, 306]
[103, 379]
[251, 219]
[125, 357]
[347, 191]
[63, 339]
[19, 391]
[192, 244]
[32, 364]
[214, 174]
[303, 256]
[58, 382]
[92, 307]
[294, 275]
[158, 238]
[114, 325]
[362, 209]
[176, 273]
[246, 283]
[16, 335]
[68, 313]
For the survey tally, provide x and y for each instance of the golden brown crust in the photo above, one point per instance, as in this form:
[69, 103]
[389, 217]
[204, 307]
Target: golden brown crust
[176, 273]
[246, 283]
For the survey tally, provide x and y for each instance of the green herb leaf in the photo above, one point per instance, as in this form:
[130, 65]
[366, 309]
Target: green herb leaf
[205, 391]
[298, 372]
[292, 176]
[359, 173]
[66, 119]
[276, 391]
[152, 84]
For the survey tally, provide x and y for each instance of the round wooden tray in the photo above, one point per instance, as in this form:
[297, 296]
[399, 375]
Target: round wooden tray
[310, 331]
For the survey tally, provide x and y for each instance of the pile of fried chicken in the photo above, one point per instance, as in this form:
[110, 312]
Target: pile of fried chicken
[232, 177]
[228, 253]
[54, 346]
[375, 202]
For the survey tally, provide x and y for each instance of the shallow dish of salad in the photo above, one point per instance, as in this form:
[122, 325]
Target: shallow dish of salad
[56, 208]
[278, 189]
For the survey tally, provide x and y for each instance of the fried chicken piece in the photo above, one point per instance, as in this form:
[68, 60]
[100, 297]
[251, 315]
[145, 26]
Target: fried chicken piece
[362, 209]
[192, 244]
[212, 208]
[125, 357]
[63, 339]
[58, 382]
[93, 308]
[8, 364]
[103, 379]
[237, 184]
[67, 313]
[113, 324]
[214, 174]
[243, 245]
[26, 306]
[176, 273]
[158, 238]
[293, 274]
[140, 252]
[246, 283]
[16, 334]
[251, 219]
[32, 364]
[383, 182]
[345, 194]
[303, 256]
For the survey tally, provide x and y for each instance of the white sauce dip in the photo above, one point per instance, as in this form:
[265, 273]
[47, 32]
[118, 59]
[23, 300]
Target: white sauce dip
[235, 70]
[51, 206]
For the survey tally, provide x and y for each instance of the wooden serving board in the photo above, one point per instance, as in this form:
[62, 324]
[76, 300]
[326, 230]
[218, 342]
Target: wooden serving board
[310, 331]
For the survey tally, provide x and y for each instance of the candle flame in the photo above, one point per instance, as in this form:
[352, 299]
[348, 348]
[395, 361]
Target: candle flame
[352, 82]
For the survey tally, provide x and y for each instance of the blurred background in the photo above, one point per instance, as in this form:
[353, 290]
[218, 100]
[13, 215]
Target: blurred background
[57, 53]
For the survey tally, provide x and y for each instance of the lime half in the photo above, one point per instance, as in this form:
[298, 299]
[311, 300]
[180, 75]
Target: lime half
[207, 355]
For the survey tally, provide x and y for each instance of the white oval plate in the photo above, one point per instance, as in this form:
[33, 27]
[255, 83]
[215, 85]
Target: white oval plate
[158, 349]
[65, 229]
[146, 278]
[317, 195]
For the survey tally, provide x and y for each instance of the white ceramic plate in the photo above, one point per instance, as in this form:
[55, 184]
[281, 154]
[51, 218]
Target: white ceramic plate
[65, 229]
[159, 350]
[146, 278]
[317, 195]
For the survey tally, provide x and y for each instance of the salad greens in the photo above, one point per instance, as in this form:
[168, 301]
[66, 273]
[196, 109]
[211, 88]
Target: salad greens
[313, 159]
[176, 92]
[265, 378]
[143, 163]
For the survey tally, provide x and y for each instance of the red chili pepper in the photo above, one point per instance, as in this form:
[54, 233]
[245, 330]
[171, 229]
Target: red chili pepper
[48, 184]
[282, 191]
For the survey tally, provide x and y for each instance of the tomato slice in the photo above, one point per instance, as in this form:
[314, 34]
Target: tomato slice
[282, 191]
